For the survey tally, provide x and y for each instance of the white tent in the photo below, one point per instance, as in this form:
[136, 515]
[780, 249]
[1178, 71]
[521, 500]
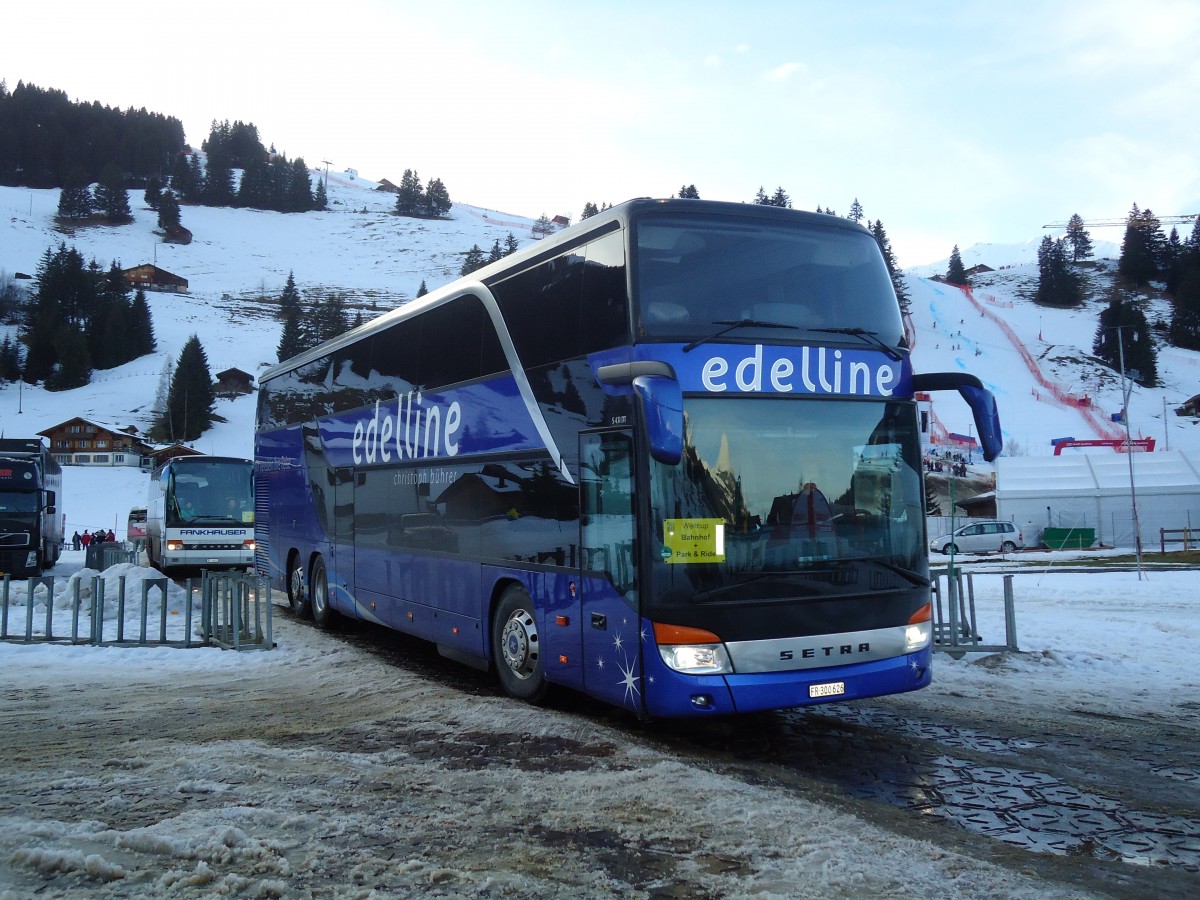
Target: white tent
[1092, 490]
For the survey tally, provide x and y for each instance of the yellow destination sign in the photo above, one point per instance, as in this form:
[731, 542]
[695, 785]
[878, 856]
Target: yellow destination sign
[693, 541]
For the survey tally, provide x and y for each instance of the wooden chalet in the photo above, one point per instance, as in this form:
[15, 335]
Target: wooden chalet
[152, 278]
[83, 442]
[233, 382]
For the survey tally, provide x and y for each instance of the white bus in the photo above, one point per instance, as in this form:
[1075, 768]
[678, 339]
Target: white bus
[200, 514]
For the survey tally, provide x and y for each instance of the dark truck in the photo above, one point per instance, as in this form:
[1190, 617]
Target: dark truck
[30, 528]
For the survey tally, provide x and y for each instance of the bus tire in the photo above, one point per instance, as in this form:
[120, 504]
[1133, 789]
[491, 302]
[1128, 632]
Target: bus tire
[318, 595]
[296, 591]
[516, 647]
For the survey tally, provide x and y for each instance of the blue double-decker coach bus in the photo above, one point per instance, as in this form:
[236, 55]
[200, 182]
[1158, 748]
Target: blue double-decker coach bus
[668, 457]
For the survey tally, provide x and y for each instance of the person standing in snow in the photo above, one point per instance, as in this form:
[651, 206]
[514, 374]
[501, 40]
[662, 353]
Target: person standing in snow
[85, 539]
[75, 540]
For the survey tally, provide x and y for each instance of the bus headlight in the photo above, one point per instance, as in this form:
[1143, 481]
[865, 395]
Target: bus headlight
[693, 651]
[919, 631]
[696, 659]
[174, 546]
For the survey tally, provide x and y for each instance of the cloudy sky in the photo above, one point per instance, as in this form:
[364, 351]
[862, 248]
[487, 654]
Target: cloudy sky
[953, 123]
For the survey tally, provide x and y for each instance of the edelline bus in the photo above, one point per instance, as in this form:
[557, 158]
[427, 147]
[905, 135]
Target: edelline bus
[668, 457]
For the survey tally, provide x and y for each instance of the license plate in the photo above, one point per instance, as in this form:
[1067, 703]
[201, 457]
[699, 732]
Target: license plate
[827, 690]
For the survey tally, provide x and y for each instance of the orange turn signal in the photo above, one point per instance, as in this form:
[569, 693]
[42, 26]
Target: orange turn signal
[682, 634]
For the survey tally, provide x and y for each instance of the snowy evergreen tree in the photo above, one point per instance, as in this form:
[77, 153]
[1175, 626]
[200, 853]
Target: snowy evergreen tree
[1123, 329]
[295, 338]
[191, 401]
[1143, 248]
[141, 325]
[153, 193]
[169, 216]
[1057, 284]
[856, 211]
[894, 273]
[1079, 239]
[289, 299]
[510, 244]
[473, 260]
[111, 199]
[761, 197]
[437, 199]
[956, 273]
[75, 198]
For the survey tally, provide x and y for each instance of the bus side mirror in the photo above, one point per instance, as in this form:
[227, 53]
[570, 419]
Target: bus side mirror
[662, 408]
[50, 502]
[979, 398]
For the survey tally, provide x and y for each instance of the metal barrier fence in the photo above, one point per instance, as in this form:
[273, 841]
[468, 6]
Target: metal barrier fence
[234, 612]
[956, 628]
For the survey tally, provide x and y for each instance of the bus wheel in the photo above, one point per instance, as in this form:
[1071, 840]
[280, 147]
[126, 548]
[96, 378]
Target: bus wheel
[516, 647]
[318, 595]
[297, 595]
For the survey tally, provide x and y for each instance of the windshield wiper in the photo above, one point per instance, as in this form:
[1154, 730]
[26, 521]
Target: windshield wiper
[730, 325]
[871, 337]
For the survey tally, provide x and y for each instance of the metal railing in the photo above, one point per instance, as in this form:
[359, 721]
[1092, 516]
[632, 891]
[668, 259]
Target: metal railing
[956, 627]
[233, 610]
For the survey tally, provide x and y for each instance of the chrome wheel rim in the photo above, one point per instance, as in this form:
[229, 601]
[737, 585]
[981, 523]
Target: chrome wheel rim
[519, 644]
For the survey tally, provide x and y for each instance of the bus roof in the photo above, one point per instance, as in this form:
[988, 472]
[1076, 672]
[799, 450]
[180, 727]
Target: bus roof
[611, 219]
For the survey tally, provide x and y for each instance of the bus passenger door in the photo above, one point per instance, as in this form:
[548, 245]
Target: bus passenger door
[341, 576]
[612, 657]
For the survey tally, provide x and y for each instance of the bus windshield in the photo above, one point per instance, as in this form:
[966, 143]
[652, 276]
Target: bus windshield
[774, 502]
[219, 492]
[695, 276]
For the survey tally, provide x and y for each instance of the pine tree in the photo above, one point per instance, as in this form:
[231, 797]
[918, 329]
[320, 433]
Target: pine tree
[856, 211]
[496, 254]
[153, 193]
[1123, 330]
[10, 359]
[218, 183]
[169, 216]
[75, 367]
[689, 192]
[289, 300]
[300, 196]
[183, 177]
[473, 260]
[111, 198]
[761, 197]
[422, 290]
[410, 196]
[1185, 315]
[437, 199]
[1079, 239]
[589, 210]
[510, 244]
[1057, 284]
[542, 227]
[956, 274]
[294, 339]
[75, 198]
[1143, 248]
[191, 400]
[320, 199]
[141, 326]
[894, 273]
[781, 199]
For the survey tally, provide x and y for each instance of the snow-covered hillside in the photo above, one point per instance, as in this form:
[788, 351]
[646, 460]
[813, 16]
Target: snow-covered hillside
[239, 260]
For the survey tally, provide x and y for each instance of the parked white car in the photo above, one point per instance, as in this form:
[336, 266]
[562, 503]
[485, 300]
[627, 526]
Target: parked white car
[980, 537]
